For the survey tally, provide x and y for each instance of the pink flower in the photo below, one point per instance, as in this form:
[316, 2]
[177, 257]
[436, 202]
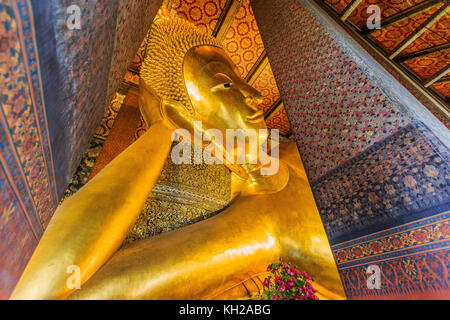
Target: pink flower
[291, 271]
[285, 280]
[290, 284]
[311, 296]
[267, 282]
[307, 277]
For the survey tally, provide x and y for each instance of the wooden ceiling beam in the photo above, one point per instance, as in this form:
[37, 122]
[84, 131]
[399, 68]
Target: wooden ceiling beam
[222, 17]
[438, 75]
[402, 15]
[349, 9]
[257, 68]
[226, 19]
[423, 53]
[419, 31]
[274, 107]
[442, 80]
[438, 102]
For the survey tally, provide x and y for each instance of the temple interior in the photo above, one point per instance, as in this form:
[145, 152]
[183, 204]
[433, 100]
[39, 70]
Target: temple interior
[88, 179]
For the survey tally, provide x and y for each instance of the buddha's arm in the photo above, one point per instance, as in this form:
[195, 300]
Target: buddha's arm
[92, 224]
[195, 262]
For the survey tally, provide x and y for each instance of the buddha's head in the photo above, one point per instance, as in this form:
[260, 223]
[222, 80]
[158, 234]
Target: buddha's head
[197, 81]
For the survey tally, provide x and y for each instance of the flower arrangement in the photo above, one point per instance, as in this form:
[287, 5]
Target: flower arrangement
[286, 283]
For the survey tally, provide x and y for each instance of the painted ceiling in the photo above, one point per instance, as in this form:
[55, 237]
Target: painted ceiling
[233, 23]
[414, 34]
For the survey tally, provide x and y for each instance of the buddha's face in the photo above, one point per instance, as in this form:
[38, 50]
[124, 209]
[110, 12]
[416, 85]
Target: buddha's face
[220, 97]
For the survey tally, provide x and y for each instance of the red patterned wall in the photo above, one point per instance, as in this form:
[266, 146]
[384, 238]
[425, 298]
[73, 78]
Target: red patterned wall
[378, 174]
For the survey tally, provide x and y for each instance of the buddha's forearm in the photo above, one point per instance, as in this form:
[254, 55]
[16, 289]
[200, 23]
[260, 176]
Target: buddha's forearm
[92, 224]
[195, 262]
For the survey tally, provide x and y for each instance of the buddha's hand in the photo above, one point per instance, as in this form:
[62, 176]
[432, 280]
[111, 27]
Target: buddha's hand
[149, 104]
[154, 109]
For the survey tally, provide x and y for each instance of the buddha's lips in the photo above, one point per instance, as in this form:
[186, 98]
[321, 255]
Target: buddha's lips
[256, 117]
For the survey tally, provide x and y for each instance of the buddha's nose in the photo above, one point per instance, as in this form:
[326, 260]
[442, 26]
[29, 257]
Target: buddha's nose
[253, 98]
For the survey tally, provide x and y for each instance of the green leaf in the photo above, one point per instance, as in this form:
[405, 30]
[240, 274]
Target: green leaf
[300, 283]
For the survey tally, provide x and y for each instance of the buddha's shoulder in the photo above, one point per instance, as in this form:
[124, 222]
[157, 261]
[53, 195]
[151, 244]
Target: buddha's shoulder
[289, 155]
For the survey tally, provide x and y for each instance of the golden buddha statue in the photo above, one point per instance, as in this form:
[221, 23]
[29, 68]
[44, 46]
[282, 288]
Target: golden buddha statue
[186, 77]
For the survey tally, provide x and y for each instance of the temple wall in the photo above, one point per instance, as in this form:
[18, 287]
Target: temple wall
[56, 84]
[377, 159]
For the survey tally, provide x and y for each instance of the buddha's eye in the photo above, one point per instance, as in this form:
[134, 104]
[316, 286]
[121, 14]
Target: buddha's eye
[222, 82]
[222, 86]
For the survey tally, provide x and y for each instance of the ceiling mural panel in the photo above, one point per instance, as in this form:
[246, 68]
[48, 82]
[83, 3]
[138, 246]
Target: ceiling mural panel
[387, 9]
[390, 37]
[266, 85]
[339, 5]
[425, 67]
[204, 14]
[243, 42]
[437, 34]
[443, 88]
[279, 120]
[416, 37]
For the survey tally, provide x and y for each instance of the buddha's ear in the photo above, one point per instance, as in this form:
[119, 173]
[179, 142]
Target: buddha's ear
[177, 114]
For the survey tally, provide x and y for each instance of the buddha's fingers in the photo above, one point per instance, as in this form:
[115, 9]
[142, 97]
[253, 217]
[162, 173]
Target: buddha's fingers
[91, 225]
[192, 263]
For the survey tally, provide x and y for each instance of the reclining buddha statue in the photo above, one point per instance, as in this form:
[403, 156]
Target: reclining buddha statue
[186, 77]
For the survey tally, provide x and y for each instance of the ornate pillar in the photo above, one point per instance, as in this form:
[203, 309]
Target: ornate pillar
[377, 159]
